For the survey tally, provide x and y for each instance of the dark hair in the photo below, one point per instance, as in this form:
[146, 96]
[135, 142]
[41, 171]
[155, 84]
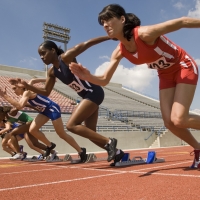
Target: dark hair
[5, 109]
[115, 10]
[48, 44]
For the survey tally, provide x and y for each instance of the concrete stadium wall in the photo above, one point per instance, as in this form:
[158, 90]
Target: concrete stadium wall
[22, 70]
[169, 139]
[126, 140]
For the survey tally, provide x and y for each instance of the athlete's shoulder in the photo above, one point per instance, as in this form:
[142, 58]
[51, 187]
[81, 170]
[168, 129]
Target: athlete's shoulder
[117, 54]
[51, 71]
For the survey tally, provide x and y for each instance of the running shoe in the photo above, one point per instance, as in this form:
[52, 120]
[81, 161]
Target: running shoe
[196, 162]
[83, 155]
[48, 149]
[53, 155]
[40, 157]
[118, 157]
[111, 149]
[17, 156]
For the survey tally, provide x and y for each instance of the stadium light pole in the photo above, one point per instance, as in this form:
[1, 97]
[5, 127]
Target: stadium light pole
[55, 33]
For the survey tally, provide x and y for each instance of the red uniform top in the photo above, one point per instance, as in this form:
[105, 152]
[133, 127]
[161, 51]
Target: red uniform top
[163, 54]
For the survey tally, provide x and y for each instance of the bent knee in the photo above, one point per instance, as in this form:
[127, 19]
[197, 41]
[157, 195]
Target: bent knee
[179, 122]
[70, 127]
[168, 123]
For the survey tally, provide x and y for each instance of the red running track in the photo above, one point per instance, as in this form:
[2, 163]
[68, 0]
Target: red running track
[172, 179]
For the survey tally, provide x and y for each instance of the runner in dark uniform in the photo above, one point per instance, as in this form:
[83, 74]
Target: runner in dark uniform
[92, 95]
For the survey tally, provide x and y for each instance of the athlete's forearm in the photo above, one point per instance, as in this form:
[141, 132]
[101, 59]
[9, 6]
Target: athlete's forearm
[92, 42]
[4, 131]
[190, 22]
[79, 48]
[37, 90]
[98, 80]
[37, 80]
[12, 101]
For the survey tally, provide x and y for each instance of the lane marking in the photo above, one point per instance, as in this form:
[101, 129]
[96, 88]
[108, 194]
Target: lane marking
[161, 166]
[163, 174]
[39, 170]
[57, 182]
[9, 165]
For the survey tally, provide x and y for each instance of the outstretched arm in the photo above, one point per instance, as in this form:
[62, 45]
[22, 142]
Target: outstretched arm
[70, 54]
[17, 104]
[37, 80]
[150, 33]
[7, 128]
[102, 80]
[49, 84]
[32, 107]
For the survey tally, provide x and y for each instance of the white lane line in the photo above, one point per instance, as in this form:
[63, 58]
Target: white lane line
[162, 166]
[57, 182]
[103, 170]
[40, 170]
[165, 174]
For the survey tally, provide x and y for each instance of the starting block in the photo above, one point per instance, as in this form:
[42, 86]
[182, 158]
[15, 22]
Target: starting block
[68, 158]
[33, 159]
[90, 158]
[56, 159]
[151, 158]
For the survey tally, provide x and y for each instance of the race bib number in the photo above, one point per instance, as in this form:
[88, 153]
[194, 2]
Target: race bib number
[40, 109]
[75, 86]
[161, 63]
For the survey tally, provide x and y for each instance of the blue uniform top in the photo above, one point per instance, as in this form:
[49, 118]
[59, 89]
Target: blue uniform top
[14, 125]
[46, 107]
[64, 74]
[41, 102]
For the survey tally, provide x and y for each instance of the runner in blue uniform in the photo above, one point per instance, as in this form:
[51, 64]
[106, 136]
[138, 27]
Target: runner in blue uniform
[13, 116]
[92, 95]
[47, 110]
[7, 146]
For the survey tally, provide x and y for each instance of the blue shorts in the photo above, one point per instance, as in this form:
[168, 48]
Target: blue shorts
[15, 125]
[21, 135]
[97, 96]
[53, 112]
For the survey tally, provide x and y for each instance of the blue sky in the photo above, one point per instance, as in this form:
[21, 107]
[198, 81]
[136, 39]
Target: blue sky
[22, 23]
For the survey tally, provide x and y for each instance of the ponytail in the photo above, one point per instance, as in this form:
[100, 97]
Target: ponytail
[52, 45]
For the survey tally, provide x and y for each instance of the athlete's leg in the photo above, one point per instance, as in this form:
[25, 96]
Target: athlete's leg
[59, 128]
[36, 124]
[10, 144]
[84, 110]
[34, 142]
[5, 146]
[175, 103]
[16, 131]
[91, 123]
[31, 145]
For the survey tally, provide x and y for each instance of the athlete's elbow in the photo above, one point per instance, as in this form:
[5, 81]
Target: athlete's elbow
[105, 81]
[45, 93]
[185, 22]
[19, 107]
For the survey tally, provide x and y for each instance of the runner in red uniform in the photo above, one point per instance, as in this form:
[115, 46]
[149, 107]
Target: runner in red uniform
[178, 72]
